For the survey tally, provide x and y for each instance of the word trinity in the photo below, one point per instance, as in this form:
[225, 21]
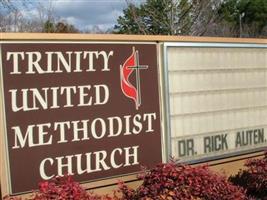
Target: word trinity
[58, 62]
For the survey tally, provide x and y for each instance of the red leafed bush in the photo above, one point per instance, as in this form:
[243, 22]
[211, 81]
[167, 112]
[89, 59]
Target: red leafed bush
[183, 182]
[253, 178]
[62, 188]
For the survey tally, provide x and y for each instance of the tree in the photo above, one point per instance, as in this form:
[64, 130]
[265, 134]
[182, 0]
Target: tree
[159, 17]
[49, 27]
[130, 23]
[168, 17]
[64, 27]
[59, 27]
[230, 18]
[12, 18]
[153, 17]
[204, 16]
[10, 5]
[245, 17]
[184, 17]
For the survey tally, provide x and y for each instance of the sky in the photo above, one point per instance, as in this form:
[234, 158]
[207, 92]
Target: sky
[83, 14]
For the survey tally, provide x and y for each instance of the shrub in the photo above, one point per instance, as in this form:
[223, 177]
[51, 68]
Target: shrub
[62, 188]
[183, 182]
[253, 178]
[169, 181]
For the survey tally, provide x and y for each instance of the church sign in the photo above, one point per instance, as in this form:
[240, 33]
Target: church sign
[87, 109]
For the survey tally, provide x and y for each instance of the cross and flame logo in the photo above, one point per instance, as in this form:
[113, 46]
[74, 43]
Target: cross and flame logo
[129, 66]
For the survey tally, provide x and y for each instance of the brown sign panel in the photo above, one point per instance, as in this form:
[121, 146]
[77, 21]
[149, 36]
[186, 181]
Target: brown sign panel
[87, 109]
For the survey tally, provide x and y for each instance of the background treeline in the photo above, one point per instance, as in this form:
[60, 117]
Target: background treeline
[226, 18]
[236, 18]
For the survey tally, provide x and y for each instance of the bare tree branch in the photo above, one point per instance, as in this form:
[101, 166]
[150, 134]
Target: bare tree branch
[136, 20]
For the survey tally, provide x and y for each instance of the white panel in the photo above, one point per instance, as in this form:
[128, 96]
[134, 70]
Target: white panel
[216, 90]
